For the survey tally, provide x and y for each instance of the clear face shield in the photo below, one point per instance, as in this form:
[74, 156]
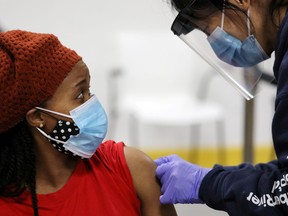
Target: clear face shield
[218, 51]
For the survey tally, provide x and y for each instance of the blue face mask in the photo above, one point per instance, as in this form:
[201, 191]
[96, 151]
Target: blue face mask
[82, 137]
[234, 52]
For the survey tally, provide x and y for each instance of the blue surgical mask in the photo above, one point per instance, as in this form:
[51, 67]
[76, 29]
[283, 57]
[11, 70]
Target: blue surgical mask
[234, 52]
[82, 136]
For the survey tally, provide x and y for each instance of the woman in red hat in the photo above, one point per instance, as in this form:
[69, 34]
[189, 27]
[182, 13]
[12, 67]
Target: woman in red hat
[52, 158]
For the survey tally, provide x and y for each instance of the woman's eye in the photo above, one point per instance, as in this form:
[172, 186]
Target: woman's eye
[80, 96]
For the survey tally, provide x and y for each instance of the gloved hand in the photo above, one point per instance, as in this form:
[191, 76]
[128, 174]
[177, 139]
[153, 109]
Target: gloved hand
[180, 180]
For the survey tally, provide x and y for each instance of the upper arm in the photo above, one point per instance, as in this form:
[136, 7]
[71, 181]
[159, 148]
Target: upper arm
[142, 169]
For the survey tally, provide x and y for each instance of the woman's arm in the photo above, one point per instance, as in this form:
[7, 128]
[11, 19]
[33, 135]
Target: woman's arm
[148, 190]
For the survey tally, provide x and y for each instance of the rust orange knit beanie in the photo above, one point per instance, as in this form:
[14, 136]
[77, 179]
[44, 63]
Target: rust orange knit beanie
[32, 66]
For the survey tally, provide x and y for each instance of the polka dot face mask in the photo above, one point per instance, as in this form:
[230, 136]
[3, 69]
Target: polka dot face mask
[84, 134]
[62, 132]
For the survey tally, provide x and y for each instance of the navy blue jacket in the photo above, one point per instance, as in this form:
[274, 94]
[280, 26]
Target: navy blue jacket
[248, 190]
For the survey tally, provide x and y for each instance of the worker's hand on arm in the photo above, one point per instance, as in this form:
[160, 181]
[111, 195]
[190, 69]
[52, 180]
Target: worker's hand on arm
[180, 180]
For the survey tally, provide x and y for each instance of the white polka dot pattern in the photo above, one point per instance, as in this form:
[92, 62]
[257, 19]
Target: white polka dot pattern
[62, 132]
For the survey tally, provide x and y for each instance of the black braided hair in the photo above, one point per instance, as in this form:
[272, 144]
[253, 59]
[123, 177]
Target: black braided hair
[17, 163]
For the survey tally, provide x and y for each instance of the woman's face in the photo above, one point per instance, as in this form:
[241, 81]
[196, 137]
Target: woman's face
[72, 92]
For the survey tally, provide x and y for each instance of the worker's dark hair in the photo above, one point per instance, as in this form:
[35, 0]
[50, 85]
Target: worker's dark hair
[274, 7]
[202, 9]
[17, 163]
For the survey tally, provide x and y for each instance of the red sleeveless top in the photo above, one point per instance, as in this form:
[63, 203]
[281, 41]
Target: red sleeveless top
[104, 187]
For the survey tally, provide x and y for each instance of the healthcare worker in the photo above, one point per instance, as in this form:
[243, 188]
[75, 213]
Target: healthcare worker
[245, 189]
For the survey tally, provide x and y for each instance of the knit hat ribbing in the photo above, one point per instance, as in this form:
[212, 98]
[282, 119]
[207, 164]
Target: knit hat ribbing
[32, 66]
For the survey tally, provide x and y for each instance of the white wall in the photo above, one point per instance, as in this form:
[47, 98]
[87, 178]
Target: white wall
[92, 27]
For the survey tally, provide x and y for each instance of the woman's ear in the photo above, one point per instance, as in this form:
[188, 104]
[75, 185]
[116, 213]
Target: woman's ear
[34, 118]
[243, 4]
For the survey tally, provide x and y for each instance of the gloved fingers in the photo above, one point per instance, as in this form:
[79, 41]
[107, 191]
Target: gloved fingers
[166, 159]
[165, 199]
[168, 191]
[165, 176]
[160, 170]
[164, 171]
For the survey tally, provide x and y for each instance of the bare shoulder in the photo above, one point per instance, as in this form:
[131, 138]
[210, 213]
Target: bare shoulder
[137, 159]
[142, 169]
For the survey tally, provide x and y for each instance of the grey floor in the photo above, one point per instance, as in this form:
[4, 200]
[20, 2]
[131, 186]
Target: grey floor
[197, 210]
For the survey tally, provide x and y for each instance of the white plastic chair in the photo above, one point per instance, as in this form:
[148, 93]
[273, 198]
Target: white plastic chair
[163, 107]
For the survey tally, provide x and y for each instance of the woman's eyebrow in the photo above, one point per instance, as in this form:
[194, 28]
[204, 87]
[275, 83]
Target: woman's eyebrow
[80, 82]
[82, 79]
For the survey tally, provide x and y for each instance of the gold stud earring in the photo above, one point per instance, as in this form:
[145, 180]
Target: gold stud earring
[41, 125]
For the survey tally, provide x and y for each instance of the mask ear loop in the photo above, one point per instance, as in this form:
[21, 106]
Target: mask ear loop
[54, 112]
[223, 15]
[248, 23]
[49, 137]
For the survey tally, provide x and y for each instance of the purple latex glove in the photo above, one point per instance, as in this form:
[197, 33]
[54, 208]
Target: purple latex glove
[180, 180]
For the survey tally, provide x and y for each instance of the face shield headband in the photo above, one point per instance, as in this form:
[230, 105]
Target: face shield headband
[243, 79]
